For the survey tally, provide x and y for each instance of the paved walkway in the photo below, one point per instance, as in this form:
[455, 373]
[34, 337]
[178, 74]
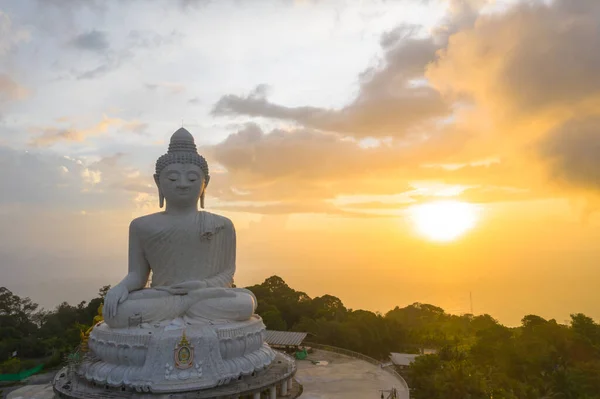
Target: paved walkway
[39, 381]
[344, 377]
[33, 392]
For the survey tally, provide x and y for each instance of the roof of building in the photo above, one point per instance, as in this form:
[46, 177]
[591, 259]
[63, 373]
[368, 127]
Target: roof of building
[402, 359]
[285, 338]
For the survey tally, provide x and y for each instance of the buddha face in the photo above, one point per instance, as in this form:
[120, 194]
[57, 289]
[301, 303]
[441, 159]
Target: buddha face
[181, 184]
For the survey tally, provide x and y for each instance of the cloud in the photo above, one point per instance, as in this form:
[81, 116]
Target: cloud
[10, 36]
[281, 166]
[53, 184]
[94, 40]
[479, 86]
[507, 79]
[287, 164]
[389, 103]
[70, 4]
[117, 174]
[290, 207]
[11, 90]
[44, 180]
[149, 39]
[122, 51]
[112, 62]
[169, 87]
[487, 194]
[49, 136]
[535, 57]
[572, 150]
[393, 98]
[186, 4]
[136, 127]
[529, 76]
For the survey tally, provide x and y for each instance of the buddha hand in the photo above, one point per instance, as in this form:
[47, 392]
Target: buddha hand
[183, 288]
[114, 297]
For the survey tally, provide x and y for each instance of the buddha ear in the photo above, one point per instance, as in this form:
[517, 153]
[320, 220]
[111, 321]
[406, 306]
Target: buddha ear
[161, 197]
[206, 179]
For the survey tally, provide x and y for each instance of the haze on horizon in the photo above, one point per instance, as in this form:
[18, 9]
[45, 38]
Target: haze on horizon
[329, 128]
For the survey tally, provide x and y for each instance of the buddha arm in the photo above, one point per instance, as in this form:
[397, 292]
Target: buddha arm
[226, 258]
[139, 269]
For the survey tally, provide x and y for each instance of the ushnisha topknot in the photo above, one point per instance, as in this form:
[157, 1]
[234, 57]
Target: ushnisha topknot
[182, 149]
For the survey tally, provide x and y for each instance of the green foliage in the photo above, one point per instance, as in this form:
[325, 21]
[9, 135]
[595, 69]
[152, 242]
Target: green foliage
[476, 357]
[327, 320]
[540, 359]
[10, 366]
[40, 336]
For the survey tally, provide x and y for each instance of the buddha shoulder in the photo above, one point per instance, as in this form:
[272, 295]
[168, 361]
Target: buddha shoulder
[217, 220]
[159, 220]
[212, 223]
[146, 222]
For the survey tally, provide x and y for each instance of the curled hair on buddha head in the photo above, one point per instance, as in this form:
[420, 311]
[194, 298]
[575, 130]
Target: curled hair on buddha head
[182, 149]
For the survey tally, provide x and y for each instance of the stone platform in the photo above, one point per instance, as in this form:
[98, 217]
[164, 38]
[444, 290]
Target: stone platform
[276, 380]
[38, 391]
[329, 375]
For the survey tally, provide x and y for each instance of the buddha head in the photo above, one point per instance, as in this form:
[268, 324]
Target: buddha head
[181, 174]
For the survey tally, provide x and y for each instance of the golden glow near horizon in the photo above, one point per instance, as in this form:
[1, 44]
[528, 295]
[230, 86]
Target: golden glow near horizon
[373, 144]
[443, 221]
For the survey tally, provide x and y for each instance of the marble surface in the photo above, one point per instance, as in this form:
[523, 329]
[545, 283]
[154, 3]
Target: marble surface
[281, 369]
[191, 253]
[175, 359]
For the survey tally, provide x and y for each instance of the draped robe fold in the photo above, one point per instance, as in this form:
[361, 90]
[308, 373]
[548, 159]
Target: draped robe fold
[200, 248]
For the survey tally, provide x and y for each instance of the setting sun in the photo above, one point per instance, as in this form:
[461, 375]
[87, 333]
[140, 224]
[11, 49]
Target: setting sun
[443, 220]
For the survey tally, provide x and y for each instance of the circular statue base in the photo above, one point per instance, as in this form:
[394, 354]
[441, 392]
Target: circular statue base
[175, 358]
[67, 384]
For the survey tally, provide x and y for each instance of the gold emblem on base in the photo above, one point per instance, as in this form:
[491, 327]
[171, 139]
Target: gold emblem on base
[184, 353]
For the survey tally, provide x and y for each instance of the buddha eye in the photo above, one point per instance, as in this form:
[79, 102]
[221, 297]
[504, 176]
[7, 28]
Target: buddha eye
[193, 177]
[173, 176]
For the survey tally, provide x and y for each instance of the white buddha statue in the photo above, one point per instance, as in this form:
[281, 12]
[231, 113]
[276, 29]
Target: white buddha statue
[190, 330]
[191, 253]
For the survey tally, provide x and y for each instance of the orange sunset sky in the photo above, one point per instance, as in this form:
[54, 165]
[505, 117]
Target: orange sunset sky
[385, 152]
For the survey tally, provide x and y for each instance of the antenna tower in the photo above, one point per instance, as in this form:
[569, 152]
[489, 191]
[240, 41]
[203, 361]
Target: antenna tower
[471, 300]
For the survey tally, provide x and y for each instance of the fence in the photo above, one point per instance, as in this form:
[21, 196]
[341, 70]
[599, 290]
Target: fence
[360, 356]
[21, 375]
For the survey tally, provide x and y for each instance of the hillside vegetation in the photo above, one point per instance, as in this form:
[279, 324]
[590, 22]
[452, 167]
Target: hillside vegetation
[476, 356]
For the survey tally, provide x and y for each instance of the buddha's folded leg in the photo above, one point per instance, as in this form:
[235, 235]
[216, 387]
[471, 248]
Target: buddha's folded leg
[147, 293]
[149, 310]
[239, 306]
[154, 306]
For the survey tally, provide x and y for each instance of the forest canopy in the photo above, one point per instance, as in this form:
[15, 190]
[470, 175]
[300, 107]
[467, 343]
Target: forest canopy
[475, 356]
